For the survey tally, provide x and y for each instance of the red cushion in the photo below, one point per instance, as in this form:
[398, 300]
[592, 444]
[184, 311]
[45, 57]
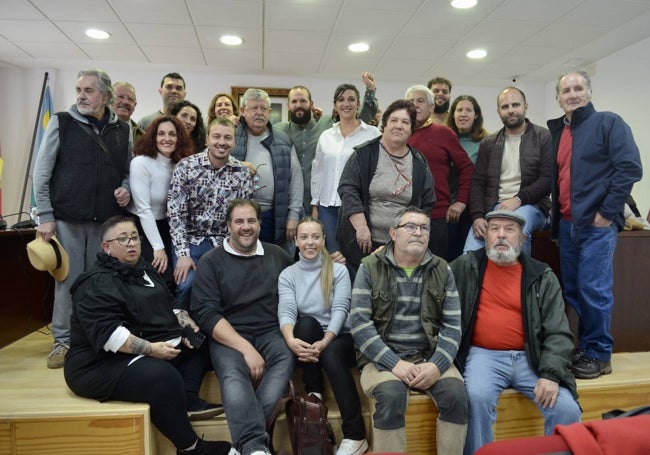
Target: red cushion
[535, 445]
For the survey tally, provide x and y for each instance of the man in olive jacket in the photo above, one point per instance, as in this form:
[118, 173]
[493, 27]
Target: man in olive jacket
[515, 331]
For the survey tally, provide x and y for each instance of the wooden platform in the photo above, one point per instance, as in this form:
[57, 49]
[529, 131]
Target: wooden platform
[40, 415]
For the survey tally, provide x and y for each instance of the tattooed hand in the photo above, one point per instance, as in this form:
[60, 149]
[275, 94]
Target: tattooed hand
[184, 319]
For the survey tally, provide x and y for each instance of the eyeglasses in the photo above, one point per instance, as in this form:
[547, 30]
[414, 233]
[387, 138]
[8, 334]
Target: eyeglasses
[256, 178]
[412, 228]
[124, 241]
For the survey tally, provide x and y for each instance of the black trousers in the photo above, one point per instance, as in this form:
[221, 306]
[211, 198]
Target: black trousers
[165, 385]
[336, 360]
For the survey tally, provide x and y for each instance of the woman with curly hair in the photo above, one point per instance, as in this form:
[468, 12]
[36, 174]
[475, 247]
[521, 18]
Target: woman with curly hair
[165, 142]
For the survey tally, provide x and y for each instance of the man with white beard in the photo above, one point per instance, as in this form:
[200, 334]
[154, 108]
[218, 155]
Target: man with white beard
[81, 179]
[515, 331]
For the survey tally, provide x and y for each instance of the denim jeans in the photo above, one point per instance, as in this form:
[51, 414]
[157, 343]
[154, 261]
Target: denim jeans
[535, 220]
[586, 263]
[267, 226]
[247, 407]
[184, 289]
[439, 238]
[487, 373]
[330, 218]
[267, 233]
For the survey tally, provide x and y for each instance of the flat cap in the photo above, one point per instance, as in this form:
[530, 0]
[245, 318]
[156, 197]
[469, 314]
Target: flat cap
[506, 214]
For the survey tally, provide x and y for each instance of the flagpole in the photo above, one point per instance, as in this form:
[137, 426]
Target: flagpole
[31, 149]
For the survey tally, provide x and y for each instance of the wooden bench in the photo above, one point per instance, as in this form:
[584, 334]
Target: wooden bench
[626, 388]
[39, 414]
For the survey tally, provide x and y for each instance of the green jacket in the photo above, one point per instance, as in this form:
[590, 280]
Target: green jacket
[377, 315]
[548, 341]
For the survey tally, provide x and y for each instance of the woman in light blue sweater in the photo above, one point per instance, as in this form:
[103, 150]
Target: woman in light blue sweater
[314, 302]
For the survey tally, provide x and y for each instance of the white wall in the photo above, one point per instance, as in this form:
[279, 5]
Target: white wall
[20, 90]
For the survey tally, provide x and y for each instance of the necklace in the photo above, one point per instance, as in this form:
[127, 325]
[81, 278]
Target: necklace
[398, 161]
[394, 157]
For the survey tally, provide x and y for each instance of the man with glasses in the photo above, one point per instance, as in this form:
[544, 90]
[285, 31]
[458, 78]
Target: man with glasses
[515, 331]
[81, 178]
[202, 187]
[405, 321]
[273, 160]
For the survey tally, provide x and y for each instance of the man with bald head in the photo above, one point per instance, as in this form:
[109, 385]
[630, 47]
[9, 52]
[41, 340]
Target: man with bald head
[512, 171]
[595, 164]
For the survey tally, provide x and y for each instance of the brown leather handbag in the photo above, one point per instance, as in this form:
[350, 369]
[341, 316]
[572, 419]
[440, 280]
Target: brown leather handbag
[309, 430]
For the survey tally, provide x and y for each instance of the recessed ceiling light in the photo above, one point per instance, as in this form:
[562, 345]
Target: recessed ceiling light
[231, 40]
[476, 53]
[359, 47]
[97, 34]
[464, 4]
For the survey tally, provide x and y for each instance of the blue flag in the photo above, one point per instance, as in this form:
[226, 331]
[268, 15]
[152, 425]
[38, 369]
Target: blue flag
[45, 112]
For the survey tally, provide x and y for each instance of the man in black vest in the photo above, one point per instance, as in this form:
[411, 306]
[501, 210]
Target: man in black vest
[277, 177]
[81, 178]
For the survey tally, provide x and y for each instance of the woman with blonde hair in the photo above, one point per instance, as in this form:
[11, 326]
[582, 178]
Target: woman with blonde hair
[314, 302]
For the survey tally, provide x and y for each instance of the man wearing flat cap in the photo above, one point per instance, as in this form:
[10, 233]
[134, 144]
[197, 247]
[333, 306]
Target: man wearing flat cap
[514, 331]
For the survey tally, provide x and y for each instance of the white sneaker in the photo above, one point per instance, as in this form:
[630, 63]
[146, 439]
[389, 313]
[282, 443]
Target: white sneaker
[352, 447]
[261, 452]
[317, 395]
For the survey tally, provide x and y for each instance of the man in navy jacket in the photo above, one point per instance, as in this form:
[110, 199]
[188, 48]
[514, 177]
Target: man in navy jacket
[595, 165]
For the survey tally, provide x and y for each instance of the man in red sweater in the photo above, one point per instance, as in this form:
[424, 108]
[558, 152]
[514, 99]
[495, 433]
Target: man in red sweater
[440, 146]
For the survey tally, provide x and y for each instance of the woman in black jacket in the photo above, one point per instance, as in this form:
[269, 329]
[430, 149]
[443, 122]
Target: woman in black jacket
[381, 177]
[127, 342]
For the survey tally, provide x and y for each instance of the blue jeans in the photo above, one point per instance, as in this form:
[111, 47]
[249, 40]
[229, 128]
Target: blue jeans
[247, 407]
[586, 263]
[487, 373]
[184, 289]
[535, 220]
[330, 218]
[267, 233]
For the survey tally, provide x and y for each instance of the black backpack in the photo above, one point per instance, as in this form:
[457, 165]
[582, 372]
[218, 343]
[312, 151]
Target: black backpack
[309, 430]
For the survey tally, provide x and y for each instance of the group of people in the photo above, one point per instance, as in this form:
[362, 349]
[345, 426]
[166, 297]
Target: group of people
[217, 219]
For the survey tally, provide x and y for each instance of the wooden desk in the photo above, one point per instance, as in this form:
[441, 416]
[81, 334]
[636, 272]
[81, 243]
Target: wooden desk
[631, 315]
[26, 295]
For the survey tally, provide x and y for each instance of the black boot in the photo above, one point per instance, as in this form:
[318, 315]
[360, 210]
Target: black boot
[208, 448]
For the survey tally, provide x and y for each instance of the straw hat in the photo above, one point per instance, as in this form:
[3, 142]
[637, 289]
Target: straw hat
[49, 257]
